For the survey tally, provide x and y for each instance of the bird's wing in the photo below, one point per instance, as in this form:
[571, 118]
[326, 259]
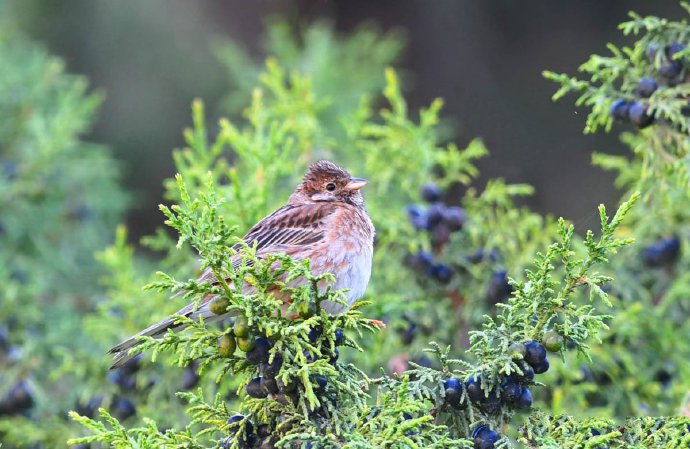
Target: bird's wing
[284, 231]
[287, 230]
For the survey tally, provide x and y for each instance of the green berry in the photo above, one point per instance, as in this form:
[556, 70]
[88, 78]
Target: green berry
[219, 305]
[246, 344]
[241, 327]
[552, 341]
[226, 346]
[517, 351]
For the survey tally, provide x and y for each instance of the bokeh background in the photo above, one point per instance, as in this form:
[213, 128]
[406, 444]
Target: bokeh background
[484, 58]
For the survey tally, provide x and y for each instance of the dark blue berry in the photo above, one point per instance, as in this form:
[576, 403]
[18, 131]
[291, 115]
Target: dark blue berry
[672, 49]
[651, 52]
[254, 389]
[452, 383]
[619, 110]
[334, 356]
[441, 273]
[407, 416]
[481, 255]
[535, 353]
[436, 213]
[321, 382]
[123, 408]
[490, 404]
[525, 400]
[125, 381]
[132, 365]
[455, 218]
[408, 334]
[420, 261]
[339, 337]
[440, 235]
[665, 375]
[272, 369]
[474, 389]
[646, 87]
[485, 439]
[510, 392]
[499, 289]
[431, 193]
[670, 69]
[663, 253]
[527, 375]
[542, 367]
[260, 352]
[269, 385]
[638, 115]
[234, 424]
[477, 431]
[90, 408]
[425, 258]
[190, 378]
[235, 419]
[19, 399]
[314, 334]
[418, 217]
[453, 392]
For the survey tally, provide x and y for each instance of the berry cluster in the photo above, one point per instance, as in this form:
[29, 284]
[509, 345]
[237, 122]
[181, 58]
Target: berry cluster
[671, 72]
[269, 383]
[440, 221]
[531, 359]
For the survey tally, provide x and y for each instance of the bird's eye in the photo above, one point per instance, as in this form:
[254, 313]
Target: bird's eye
[330, 187]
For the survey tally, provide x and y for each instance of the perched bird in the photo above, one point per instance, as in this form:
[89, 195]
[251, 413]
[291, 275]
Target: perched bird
[324, 220]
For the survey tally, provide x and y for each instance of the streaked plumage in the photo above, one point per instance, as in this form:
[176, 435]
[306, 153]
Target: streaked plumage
[324, 220]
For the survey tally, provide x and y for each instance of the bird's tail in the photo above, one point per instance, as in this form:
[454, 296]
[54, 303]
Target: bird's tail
[121, 351]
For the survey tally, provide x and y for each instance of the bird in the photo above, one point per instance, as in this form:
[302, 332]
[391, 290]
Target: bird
[324, 220]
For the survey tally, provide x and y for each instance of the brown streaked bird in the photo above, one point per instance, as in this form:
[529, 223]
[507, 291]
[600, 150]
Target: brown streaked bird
[324, 220]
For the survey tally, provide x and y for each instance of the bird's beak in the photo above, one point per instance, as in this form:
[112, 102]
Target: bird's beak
[356, 183]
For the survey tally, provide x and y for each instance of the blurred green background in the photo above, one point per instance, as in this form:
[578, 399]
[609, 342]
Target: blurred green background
[484, 58]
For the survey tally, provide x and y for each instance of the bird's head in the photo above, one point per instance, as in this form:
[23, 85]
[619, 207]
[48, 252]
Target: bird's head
[325, 181]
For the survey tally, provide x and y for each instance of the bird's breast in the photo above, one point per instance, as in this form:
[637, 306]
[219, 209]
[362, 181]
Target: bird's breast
[348, 256]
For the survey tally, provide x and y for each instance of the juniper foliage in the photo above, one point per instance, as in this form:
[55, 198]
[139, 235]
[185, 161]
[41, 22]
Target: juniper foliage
[643, 364]
[315, 387]
[60, 198]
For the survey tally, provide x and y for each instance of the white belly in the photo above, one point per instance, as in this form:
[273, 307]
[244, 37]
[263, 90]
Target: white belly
[354, 277]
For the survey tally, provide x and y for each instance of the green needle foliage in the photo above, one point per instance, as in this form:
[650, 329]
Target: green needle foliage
[643, 364]
[463, 300]
[330, 414]
[60, 199]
